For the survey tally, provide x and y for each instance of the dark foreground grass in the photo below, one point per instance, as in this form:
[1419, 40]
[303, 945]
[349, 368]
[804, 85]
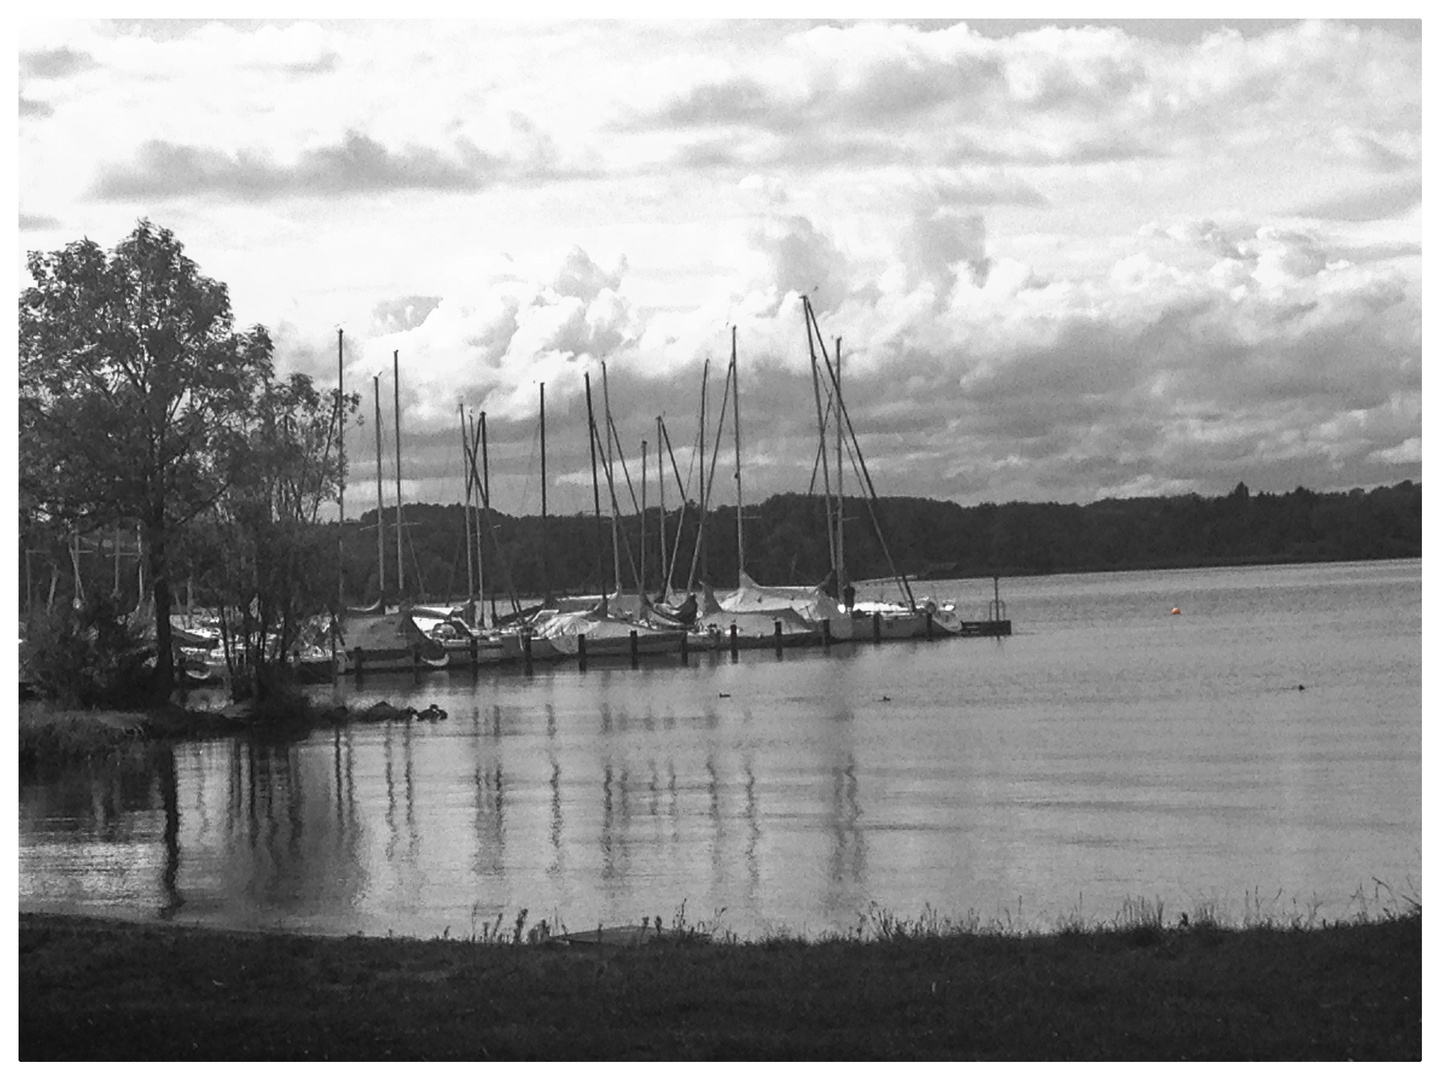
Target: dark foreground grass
[102, 990]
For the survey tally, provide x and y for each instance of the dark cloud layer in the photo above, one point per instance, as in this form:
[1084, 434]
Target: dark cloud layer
[58, 63]
[37, 222]
[357, 165]
[1375, 202]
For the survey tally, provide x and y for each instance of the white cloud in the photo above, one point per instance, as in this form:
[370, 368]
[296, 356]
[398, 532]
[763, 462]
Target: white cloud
[1064, 262]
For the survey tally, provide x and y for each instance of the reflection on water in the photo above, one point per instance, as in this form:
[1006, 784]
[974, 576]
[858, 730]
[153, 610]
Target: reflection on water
[1085, 760]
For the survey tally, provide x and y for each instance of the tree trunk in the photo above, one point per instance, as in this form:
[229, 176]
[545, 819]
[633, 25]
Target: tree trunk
[164, 683]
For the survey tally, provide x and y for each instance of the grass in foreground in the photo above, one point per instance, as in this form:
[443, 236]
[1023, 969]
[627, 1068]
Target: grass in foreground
[1132, 990]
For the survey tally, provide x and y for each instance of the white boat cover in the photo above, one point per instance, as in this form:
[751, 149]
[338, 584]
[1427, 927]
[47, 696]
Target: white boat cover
[810, 602]
[385, 633]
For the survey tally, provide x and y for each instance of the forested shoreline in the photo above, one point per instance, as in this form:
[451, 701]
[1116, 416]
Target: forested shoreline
[786, 540]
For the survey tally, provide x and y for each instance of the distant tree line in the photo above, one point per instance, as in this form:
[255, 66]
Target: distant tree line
[786, 540]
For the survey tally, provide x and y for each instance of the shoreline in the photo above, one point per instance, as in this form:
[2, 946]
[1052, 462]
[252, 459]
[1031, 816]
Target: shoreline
[52, 735]
[106, 989]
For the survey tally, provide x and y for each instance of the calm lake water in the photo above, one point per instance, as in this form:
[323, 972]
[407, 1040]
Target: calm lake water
[1108, 750]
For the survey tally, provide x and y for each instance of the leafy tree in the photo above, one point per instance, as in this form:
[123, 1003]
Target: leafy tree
[262, 558]
[132, 377]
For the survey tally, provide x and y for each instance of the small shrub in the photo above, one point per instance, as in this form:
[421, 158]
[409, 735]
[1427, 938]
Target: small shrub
[94, 657]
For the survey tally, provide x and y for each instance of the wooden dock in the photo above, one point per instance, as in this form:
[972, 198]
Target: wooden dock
[985, 628]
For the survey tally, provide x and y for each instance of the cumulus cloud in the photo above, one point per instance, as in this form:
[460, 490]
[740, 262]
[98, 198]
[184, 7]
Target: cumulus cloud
[403, 313]
[491, 344]
[796, 257]
[966, 210]
[1005, 386]
[942, 242]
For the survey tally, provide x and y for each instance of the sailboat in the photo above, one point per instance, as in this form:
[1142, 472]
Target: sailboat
[754, 611]
[621, 622]
[876, 619]
[375, 638]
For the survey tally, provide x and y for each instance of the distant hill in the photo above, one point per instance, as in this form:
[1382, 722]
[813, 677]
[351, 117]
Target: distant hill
[786, 541]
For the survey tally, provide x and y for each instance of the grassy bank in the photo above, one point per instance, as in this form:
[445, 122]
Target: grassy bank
[104, 990]
[54, 734]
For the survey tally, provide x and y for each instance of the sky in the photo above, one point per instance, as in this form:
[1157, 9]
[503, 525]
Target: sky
[1068, 261]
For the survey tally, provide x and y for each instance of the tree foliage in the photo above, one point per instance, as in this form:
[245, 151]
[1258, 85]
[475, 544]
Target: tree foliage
[132, 380]
[261, 562]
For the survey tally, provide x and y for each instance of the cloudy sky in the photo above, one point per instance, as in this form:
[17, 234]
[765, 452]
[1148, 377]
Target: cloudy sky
[1067, 261]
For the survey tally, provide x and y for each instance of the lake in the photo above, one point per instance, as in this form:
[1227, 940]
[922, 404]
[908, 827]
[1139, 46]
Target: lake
[1108, 751]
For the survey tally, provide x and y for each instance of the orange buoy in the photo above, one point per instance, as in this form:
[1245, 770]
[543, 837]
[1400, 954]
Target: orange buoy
[1174, 611]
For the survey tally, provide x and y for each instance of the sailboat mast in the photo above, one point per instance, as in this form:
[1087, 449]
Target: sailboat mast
[595, 484]
[644, 467]
[475, 512]
[867, 484]
[485, 502]
[399, 528]
[609, 474]
[544, 505]
[820, 422]
[841, 577]
[739, 495]
[699, 555]
[379, 497]
[340, 418]
[660, 474]
[680, 517]
[469, 539]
